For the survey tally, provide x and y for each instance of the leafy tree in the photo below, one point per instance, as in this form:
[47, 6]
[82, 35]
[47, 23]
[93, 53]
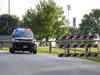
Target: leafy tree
[8, 23]
[46, 20]
[91, 23]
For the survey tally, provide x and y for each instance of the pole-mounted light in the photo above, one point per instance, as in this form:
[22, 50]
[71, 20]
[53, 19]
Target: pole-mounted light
[68, 8]
[9, 7]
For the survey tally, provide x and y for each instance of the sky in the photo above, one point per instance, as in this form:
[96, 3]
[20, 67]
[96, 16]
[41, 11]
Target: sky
[78, 7]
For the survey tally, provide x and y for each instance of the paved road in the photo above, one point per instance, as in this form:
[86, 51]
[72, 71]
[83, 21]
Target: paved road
[45, 64]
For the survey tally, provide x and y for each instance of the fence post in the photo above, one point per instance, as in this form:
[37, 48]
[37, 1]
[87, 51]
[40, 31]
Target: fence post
[50, 47]
[86, 52]
[68, 51]
[98, 44]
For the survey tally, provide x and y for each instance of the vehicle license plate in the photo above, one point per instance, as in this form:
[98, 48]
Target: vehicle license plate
[24, 46]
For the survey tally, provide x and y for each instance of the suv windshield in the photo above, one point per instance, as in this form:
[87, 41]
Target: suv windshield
[23, 33]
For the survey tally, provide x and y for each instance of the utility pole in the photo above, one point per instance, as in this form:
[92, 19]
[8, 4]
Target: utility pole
[68, 8]
[9, 7]
[74, 22]
[8, 14]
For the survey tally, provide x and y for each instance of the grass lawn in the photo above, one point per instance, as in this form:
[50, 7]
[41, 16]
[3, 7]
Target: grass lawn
[57, 50]
[46, 50]
[4, 48]
[97, 59]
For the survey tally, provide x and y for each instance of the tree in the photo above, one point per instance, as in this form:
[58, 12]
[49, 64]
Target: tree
[8, 23]
[46, 20]
[91, 23]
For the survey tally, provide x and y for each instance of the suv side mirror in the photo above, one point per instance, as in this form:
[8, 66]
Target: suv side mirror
[13, 36]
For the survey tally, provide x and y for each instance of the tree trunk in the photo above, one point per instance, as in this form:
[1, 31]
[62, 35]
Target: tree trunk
[47, 41]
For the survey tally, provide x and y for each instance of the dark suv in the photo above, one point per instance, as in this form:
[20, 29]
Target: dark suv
[24, 41]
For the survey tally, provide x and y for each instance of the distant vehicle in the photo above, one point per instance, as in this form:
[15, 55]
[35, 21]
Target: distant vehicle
[23, 34]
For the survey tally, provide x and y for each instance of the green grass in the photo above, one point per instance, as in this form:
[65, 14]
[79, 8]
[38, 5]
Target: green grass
[57, 50]
[4, 48]
[97, 59]
[46, 50]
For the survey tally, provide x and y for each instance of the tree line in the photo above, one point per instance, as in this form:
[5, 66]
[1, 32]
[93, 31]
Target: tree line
[48, 20]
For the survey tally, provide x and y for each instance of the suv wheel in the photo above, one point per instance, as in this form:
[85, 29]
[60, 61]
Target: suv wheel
[12, 50]
[30, 51]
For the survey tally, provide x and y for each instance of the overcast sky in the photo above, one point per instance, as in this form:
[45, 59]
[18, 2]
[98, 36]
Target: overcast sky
[78, 7]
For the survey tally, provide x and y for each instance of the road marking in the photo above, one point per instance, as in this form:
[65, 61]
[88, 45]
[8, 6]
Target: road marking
[47, 69]
[44, 70]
